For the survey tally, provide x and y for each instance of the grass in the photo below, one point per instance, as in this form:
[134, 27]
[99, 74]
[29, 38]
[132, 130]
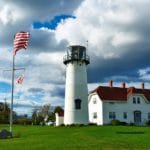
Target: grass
[77, 138]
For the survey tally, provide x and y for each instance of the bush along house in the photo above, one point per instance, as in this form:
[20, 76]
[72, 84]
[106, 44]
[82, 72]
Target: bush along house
[129, 105]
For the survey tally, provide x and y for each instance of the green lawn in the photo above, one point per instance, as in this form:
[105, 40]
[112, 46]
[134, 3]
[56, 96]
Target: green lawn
[77, 138]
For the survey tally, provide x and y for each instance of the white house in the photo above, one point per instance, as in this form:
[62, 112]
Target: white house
[130, 105]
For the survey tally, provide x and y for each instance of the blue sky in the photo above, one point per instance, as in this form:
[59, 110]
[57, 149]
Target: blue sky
[52, 24]
[5, 87]
[117, 31]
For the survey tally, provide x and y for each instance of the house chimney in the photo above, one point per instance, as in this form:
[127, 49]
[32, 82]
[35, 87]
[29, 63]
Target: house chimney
[123, 85]
[142, 86]
[110, 83]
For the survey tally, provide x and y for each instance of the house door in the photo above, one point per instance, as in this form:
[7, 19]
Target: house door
[137, 117]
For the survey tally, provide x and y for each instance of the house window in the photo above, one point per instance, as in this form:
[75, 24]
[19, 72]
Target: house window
[95, 115]
[77, 103]
[138, 100]
[125, 115]
[94, 100]
[149, 116]
[112, 115]
[134, 100]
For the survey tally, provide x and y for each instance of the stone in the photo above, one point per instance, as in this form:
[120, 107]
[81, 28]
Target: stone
[5, 134]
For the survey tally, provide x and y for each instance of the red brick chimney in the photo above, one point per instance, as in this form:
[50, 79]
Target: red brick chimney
[110, 83]
[123, 85]
[142, 86]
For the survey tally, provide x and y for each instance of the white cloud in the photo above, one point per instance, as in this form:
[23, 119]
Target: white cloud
[50, 58]
[114, 30]
[9, 14]
[6, 15]
[145, 74]
[144, 71]
[104, 24]
[121, 39]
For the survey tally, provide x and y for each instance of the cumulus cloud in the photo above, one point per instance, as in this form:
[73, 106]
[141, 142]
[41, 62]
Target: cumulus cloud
[43, 60]
[118, 44]
[144, 74]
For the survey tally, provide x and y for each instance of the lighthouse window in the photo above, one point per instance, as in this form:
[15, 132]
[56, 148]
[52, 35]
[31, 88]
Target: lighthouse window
[94, 100]
[77, 103]
[95, 115]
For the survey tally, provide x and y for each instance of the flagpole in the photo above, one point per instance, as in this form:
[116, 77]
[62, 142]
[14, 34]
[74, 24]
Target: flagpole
[87, 45]
[12, 94]
[18, 44]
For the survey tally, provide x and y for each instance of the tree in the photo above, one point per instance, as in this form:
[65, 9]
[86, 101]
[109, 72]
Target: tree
[51, 117]
[44, 110]
[45, 113]
[34, 117]
[41, 114]
[5, 113]
[58, 109]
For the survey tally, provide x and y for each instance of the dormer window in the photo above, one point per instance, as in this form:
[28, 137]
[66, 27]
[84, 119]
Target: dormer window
[138, 100]
[134, 100]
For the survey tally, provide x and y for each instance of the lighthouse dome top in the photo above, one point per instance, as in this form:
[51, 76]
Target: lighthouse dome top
[76, 53]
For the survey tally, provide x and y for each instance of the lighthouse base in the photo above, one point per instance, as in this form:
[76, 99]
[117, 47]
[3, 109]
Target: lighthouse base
[76, 118]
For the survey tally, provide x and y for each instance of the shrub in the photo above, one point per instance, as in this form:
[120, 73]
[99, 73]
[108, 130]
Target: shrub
[115, 122]
[72, 125]
[92, 124]
[62, 125]
[123, 123]
[148, 122]
[23, 121]
[17, 135]
[80, 125]
[131, 124]
[75, 125]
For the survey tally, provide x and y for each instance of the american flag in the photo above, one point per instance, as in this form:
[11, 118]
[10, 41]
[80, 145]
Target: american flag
[20, 79]
[21, 41]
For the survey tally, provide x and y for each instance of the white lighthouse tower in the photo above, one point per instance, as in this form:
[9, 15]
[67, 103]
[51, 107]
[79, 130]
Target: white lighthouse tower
[76, 93]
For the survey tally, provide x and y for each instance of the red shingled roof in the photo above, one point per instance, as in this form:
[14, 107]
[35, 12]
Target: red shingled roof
[119, 94]
[61, 114]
